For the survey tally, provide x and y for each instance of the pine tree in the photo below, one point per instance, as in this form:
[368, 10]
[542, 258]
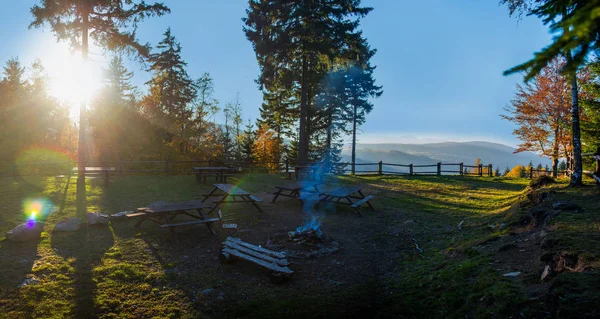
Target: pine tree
[111, 24]
[248, 143]
[172, 92]
[497, 172]
[297, 43]
[506, 171]
[562, 166]
[361, 88]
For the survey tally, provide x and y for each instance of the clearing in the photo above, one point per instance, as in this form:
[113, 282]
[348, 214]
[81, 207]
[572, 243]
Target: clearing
[408, 258]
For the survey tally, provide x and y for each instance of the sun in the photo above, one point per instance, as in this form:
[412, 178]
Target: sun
[71, 80]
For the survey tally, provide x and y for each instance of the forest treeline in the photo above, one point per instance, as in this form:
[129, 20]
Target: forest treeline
[315, 75]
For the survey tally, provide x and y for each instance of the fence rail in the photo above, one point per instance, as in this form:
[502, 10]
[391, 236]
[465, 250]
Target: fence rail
[167, 167]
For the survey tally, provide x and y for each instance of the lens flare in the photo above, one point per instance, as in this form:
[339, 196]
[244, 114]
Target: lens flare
[36, 209]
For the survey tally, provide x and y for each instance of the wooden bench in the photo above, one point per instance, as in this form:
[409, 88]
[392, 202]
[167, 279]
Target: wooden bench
[367, 200]
[255, 199]
[273, 261]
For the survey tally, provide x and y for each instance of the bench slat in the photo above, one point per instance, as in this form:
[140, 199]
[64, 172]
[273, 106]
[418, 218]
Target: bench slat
[255, 199]
[136, 215]
[362, 201]
[193, 222]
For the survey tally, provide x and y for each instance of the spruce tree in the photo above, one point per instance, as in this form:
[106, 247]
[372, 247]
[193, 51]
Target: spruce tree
[172, 91]
[297, 43]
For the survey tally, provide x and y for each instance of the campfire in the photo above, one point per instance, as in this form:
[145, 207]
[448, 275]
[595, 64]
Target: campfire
[301, 236]
[310, 231]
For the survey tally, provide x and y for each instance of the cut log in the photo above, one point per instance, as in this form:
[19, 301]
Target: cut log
[256, 248]
[260, 262]
[280, 262]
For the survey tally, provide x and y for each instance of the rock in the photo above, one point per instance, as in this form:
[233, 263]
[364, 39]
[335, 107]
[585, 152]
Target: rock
[491, 227]
[208, 292]
[94, 218]
[28, 282]
[120, 214]
[71, 224]
[25, 232]
[221, 296]
[565, 205]
[547, 271]
[512, 274]
[502, 226]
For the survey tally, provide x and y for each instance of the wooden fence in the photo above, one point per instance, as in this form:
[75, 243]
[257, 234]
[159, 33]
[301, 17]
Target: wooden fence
[185, 167]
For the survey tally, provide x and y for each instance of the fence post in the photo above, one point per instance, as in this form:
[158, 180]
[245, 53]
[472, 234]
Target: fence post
[490, 172]
[598, 161]
[167, 167]
[380, 172]
[411, 171]
[462, 172]
[439, 169]
[353, 169]
[287, 165]
[480, 169]
[530, 172]
[209, 163]
[121, 167]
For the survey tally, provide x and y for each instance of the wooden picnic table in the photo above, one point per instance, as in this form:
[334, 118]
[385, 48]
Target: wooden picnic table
[231, 194]
[203, 172]
[96, 170]
[293, 189]
[345, 195]
[163, 213]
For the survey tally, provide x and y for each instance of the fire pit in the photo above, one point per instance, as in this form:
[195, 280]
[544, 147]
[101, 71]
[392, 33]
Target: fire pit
[305, 235]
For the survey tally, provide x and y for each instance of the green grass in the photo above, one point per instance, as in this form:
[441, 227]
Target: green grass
[122, 272]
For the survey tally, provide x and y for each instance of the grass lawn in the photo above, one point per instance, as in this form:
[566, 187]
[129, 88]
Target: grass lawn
[118, 271]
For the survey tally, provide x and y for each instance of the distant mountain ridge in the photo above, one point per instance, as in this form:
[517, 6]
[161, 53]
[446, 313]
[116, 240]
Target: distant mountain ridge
[499, 155]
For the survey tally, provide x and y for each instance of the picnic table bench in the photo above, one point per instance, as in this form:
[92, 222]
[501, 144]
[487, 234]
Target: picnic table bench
[102, 171]
[293, 189]
[163, 213]
[202, 173]
[228, 193]
[343, 195]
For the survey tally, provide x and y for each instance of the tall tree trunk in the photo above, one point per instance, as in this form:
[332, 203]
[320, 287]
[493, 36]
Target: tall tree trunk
[328, 142]
[303, 129]
[576, 178]
[555, 151]
[82, 107]
[354, 140]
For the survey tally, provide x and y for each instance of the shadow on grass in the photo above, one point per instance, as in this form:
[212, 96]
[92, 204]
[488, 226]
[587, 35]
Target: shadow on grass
[86, 246]
[16, 262]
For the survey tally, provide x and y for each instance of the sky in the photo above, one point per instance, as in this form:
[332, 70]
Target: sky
[440, 62]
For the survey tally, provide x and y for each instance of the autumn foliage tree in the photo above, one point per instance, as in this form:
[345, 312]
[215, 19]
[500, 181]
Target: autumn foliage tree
[541, 110]
[266, 149]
